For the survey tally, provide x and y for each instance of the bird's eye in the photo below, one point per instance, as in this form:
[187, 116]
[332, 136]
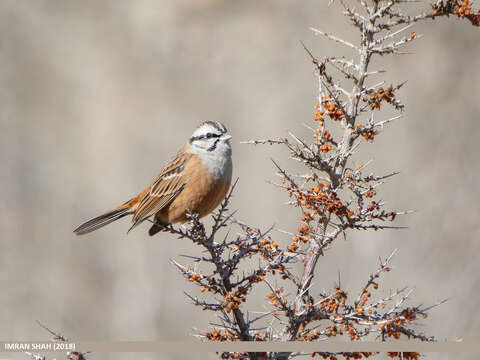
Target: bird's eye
[211, 135]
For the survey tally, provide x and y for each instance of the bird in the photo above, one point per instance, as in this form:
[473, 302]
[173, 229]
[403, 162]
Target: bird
[194, 181]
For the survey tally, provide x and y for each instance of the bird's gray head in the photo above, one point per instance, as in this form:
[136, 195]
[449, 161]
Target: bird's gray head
[211, 136]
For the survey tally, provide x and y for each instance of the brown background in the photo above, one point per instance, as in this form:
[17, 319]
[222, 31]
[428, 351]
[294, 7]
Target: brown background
[95, 96]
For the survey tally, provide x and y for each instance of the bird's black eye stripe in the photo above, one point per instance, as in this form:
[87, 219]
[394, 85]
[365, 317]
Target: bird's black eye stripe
[207, 136]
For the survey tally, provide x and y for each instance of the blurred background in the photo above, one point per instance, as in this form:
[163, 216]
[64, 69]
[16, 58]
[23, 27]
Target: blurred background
[95, 96]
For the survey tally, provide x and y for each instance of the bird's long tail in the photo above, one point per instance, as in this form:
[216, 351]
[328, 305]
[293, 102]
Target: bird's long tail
[102, 220]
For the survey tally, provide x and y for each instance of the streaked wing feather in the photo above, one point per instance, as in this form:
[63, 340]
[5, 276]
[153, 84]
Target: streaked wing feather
[165, 188]
[151, 204]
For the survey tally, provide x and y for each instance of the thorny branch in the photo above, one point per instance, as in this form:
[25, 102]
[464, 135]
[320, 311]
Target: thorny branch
[335, 197]
[57, 337]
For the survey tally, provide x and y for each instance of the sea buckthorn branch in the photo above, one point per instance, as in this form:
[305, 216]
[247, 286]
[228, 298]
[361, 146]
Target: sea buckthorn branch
[57, 337]
[460, 8]
[335, 196]
[361, 318]
[218, 282]
[225, 282]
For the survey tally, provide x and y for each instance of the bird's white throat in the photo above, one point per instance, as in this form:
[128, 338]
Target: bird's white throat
[219, 161]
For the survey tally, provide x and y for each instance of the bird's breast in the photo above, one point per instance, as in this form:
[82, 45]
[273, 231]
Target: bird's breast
[208, 181]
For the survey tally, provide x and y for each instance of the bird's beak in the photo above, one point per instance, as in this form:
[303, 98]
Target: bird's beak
[226, 137]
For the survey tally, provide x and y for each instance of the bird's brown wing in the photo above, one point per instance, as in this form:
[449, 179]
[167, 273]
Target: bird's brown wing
[165, 188]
